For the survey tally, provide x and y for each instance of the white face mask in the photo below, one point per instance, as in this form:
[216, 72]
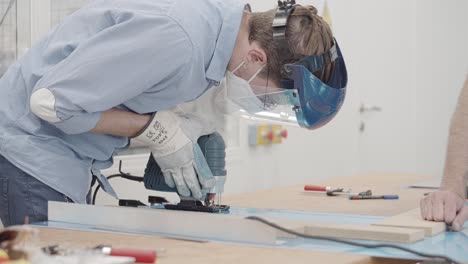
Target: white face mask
[240, 92]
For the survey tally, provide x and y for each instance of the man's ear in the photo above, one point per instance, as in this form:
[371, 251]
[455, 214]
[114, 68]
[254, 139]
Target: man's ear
[257, 56]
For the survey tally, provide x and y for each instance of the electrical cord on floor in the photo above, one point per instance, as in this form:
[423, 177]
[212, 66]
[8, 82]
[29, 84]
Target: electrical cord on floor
[10, 5]
[352, 243]
[121, 174]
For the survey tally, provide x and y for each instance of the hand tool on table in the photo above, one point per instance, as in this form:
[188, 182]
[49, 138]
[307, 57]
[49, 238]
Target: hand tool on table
[214, 150]
[372, 197]
[330, 191]
[140, 255]
[121, 254]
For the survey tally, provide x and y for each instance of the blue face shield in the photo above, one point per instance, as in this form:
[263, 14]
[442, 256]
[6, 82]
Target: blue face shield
[302, 98]
[314, 102]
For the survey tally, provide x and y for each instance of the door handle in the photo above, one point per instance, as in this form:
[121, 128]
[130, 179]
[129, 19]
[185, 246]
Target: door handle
[374, 108]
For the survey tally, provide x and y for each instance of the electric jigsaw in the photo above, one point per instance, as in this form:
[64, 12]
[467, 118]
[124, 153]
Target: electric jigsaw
[214, 150]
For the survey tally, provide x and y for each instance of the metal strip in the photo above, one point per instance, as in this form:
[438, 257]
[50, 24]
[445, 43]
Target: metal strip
[147, 220]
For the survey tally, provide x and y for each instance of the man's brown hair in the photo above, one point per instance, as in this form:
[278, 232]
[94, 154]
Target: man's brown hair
[306, 33]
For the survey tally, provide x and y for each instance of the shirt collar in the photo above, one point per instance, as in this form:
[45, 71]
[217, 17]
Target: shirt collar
[226, 40]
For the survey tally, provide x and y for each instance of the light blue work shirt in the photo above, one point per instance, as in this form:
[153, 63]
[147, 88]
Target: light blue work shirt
[139, 55]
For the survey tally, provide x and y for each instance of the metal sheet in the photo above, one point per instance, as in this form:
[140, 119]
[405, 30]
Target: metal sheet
[306, 215]
[147, 220]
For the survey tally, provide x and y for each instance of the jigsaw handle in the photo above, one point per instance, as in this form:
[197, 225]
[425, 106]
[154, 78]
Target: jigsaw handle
[154, 178]
[214, 150]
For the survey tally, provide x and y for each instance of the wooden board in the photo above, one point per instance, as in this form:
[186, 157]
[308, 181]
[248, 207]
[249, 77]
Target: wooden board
[184, 251]
[352, 231]
[294, 198]
[433, 184]
[412, 219]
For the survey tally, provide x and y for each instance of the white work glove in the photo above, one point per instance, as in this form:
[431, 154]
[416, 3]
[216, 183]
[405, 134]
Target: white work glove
[172, 138]
[445, 206]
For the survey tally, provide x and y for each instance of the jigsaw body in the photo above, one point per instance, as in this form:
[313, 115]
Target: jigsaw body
[214, 150]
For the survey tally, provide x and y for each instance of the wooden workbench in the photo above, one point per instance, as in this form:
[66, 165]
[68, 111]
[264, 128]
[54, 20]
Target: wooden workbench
[183, 251]
[294, 198]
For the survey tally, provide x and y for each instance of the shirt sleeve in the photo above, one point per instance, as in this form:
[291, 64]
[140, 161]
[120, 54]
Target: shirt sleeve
[109, 68]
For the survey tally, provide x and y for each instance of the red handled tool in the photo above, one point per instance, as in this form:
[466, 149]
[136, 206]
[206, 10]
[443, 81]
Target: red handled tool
[333, 191]
[317, 188]
[140, 255]
[329, 190]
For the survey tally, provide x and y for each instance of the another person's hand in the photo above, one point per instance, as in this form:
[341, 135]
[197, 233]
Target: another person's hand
[172, 138]
[445, 206]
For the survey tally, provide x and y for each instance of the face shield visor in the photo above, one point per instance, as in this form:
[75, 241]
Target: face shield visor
[302, 98]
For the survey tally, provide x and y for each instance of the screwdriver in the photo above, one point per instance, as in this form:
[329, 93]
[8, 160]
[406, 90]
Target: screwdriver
[329, 190]
[370, 197]
[140, 255]
[334, 191]
[319, 188]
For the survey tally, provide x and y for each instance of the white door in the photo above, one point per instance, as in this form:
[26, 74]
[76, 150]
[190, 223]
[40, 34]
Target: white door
[379, 45]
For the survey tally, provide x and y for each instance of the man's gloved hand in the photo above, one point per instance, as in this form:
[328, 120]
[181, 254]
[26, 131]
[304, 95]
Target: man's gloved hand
[445, 206]
[172, 139]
